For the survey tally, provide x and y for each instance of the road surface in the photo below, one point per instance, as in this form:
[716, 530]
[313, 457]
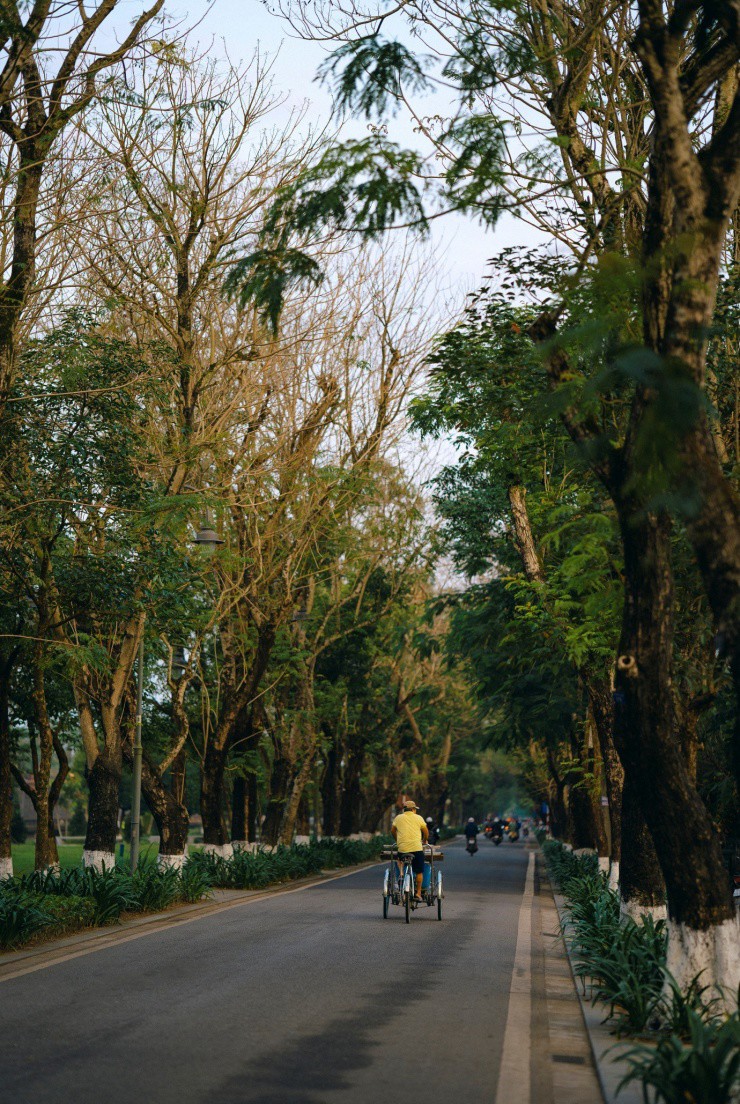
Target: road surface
[306, 997]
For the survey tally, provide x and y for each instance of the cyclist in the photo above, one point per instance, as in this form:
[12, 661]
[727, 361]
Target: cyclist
[411, 833]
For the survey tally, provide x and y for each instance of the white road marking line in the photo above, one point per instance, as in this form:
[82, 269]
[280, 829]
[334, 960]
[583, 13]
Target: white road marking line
[514, 1084]
[167, 925]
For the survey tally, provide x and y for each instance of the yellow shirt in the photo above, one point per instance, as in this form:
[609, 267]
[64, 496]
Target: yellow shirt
[408, 827]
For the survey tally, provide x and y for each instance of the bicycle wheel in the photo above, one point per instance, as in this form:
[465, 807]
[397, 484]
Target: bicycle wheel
[439, 895]
[407, 905]
[386, 902]
[439, 908]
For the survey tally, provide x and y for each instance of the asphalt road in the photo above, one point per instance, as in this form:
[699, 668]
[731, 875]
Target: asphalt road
[308, 997]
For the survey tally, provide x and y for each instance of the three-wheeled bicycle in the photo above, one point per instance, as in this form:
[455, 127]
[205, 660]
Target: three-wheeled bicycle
[398, 881]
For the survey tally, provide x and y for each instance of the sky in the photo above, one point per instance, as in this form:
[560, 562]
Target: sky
[240, 26]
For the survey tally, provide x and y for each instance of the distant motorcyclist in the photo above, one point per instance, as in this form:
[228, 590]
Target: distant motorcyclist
[471, 835]
[433, 832]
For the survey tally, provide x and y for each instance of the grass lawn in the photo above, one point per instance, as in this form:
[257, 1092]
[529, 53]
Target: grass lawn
[70, 854]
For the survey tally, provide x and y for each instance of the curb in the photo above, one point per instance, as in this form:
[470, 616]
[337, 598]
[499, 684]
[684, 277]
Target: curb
[610, 1068]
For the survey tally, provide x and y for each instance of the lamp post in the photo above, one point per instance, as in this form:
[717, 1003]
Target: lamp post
[208, 539]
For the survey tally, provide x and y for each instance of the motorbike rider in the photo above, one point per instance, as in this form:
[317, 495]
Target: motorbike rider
[497, 827]
[411, 833]
[433, 832]
[471, 834]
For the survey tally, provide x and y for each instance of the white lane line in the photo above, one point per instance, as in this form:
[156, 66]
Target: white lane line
[175, 922]
[514, 1085]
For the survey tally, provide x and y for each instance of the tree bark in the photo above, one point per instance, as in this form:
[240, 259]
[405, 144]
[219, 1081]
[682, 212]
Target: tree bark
[351, 793]
[104, 783]
[6, 775]
[239, 810]
[252, 796]
[170, 814]
[300, 781]
[330, 793]
[215, 833]
[645, 725]
[601, 704]
[280, 777]
[641, 882]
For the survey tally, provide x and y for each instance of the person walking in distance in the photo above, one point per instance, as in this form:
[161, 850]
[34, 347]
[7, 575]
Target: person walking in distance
[411, 833]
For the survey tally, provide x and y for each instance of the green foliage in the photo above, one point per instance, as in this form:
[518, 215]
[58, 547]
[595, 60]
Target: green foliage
[46, 903]
[363, 185]
[369, 75]
[24, 915]
[257, 869]
[624, 961]
[265, 277]
[703, 1068]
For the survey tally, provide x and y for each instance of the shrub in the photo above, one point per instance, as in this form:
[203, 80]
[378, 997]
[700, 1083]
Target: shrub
[194, 883]
[703, 1070]
[20, 920]
[623, 960]
[154, 888]
[51, 902]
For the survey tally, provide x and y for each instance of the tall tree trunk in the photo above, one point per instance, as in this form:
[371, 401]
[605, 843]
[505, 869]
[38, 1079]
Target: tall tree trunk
[601, 704]
[296, 791]
[215, 834]
[239, 811]
[330, 793]
[170, 814]
[351, 793]
[280, 777]
[558, 811]
[104, 784]
[702, 924]
[6, 775]
[252, 808]
[641, 883]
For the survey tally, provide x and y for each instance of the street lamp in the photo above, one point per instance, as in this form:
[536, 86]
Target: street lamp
[208, 539]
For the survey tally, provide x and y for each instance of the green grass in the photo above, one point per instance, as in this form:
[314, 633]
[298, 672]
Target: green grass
[70, 855]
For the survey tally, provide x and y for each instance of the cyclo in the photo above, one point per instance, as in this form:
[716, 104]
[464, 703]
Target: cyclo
[398, 885]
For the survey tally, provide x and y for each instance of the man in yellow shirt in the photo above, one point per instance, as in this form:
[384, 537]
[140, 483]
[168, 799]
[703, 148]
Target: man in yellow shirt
[411, 833]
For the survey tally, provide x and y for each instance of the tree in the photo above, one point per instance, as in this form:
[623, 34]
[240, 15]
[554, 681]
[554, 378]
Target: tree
[52, 70]
[668, 222]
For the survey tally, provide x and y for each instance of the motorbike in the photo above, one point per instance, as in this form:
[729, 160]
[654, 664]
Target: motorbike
[513, 834]
[471, 846]
[497, 837]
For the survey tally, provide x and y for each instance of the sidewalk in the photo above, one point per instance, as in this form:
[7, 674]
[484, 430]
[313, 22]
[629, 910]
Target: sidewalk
[564, 1069]
[602, 1045]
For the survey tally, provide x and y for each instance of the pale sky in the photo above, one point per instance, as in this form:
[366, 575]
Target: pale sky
[239, 26]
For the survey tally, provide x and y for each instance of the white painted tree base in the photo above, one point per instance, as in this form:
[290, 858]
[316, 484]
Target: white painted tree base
[715, 951]
[244, 845]
[6, 868]
[221, 850]
[603, 864]
[171, 862]
[635, 911]
[99, 860]
[614, 877]
[302, 839]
